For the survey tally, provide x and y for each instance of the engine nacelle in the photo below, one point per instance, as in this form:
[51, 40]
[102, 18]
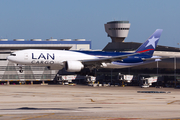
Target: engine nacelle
[73, 66]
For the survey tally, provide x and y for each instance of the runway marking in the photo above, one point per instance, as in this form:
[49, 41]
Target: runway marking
[173, 101]
[92, 100]
[38, 116]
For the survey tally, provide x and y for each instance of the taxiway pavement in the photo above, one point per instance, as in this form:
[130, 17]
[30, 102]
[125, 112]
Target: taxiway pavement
[58, 102]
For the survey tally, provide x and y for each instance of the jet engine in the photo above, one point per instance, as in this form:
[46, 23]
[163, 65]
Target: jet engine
[73, 66]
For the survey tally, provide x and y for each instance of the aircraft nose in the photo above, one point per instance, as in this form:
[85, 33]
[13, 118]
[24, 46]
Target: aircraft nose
[9, 58]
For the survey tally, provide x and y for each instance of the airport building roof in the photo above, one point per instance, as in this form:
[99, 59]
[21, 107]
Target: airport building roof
[131, 46]
[45, 42]
[16, 45]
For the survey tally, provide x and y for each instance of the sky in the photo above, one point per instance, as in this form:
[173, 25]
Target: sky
[85, 19]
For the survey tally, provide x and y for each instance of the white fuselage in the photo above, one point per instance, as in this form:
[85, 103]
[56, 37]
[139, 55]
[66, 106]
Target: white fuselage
[56, 58]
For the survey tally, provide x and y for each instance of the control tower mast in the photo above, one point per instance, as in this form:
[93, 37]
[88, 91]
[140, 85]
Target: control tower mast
[117, 30]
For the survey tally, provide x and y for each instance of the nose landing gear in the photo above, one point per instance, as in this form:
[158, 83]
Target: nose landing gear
[20, 69]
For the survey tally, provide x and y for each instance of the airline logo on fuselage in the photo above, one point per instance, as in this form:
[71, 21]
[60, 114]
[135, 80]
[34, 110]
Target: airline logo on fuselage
[43, 58]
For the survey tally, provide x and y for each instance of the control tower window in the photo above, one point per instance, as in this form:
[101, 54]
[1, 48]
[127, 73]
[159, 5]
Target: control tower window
[118, 28]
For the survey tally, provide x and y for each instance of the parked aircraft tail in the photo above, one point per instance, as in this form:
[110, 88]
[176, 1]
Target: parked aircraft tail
[150, 43]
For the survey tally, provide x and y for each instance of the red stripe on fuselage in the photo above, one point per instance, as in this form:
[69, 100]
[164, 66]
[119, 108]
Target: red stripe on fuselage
[145, 50]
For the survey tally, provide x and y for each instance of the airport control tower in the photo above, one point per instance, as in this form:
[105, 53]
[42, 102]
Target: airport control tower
[117, 30]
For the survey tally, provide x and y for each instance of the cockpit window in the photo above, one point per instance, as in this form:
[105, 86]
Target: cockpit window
[12, 54]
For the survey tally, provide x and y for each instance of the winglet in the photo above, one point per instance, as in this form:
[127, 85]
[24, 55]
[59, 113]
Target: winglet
[149, 46]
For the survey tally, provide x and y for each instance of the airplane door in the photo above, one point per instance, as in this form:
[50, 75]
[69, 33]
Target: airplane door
[25, 56]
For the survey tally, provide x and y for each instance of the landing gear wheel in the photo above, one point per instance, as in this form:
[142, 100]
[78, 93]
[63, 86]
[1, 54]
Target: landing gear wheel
[20, 71]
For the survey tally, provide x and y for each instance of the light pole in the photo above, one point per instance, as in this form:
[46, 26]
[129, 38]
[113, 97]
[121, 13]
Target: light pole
[174, 71]
[157, 73]
[178, 45]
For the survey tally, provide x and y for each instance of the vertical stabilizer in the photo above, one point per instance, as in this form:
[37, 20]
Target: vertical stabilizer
[150, 44]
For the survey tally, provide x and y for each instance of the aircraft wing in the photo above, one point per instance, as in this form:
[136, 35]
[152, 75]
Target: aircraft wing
[146, 59]
[107, 59]
[154, 58]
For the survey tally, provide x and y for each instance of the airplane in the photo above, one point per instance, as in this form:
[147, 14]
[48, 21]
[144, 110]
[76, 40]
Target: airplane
[75, 61]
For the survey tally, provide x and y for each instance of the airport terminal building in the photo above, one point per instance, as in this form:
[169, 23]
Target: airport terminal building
[116, 30]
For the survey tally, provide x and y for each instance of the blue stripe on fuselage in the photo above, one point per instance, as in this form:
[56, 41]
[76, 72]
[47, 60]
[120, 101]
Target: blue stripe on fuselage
[130, 59]
[101, 53]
